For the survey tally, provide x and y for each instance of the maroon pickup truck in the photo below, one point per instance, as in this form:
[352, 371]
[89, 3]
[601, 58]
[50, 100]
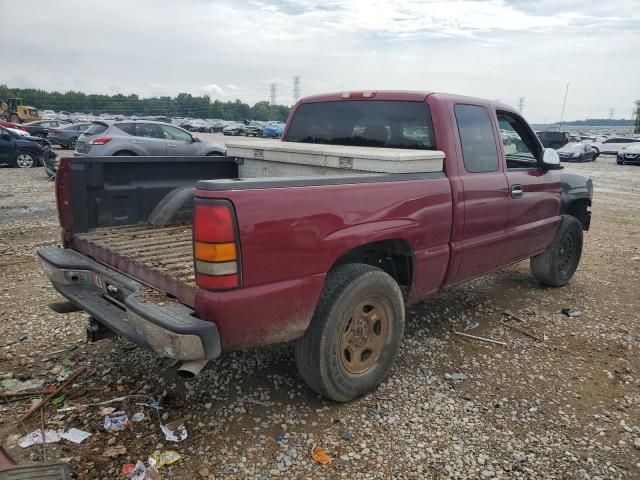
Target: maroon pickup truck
[184, 258]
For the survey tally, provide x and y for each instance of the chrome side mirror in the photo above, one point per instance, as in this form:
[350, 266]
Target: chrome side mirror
[550, 159]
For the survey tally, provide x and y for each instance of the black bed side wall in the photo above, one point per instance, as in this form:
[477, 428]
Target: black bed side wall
[116, 191]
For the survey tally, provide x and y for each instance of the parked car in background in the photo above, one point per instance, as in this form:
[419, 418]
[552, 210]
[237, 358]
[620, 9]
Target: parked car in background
[551, 139]
[67, 135]
[48, 114]
[130, 138]
[234, 129]
[253, 129]
[17, 126]
[23, 152]
[577, 152]
[41, 128]
[273, 130]
[614, 144]
[629, 154]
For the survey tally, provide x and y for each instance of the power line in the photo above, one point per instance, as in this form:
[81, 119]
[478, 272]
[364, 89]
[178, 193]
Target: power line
[274, 90]
[296, 88]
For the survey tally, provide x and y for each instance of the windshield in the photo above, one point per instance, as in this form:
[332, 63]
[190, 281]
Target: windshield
[572, 147]
[365, 123]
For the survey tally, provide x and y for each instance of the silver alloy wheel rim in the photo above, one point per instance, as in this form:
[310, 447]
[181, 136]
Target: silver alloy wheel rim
[24, 160]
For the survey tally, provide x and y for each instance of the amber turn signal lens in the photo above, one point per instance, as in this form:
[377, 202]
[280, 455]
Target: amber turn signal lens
[215, 252]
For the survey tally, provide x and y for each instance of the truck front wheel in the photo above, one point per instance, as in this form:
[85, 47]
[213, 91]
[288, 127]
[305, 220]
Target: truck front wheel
[557, 264]
[354, 335]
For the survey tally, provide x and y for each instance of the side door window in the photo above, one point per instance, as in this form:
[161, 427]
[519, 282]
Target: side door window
[173, 133]
[479, 150]
[521, 150]
[149, 130]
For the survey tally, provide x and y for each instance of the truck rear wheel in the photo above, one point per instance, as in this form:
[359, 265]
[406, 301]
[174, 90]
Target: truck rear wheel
[557, 264]
[354, 335]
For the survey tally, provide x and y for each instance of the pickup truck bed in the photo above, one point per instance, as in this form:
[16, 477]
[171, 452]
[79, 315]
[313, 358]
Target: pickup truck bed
[165, 250]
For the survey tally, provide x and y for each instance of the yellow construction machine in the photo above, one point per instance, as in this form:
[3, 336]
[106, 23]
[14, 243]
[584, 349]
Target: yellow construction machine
[15, 111]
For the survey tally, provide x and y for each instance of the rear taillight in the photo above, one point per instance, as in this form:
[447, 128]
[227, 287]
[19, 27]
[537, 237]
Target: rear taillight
[216, 249]
[100, 140]
[368, 94]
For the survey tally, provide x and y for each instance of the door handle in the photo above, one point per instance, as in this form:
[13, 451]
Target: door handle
[516, 191]
[171, 144]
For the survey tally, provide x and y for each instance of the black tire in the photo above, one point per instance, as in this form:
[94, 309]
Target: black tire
[124, 153]
[25, 159]
[73, 143]
[40, 135]
[557, 264]
[214, 154]
[326, 355]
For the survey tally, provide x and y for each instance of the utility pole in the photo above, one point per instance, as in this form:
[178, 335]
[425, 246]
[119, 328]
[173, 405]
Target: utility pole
[521, 104]
[637, 126]
[566, 92]
[274, 91]
[296, 88]
[611, 110]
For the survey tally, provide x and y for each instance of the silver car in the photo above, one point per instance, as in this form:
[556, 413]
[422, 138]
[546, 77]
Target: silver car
[105, 138]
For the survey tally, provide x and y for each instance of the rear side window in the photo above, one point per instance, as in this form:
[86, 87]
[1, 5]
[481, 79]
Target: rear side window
[128, 128]
[96, 129]
[479, 150]
[365, 123]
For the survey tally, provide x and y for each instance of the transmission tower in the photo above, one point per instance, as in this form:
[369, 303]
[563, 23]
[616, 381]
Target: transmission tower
[611, 110]
[296, 88]
[637, 125]
[521, 104]
[274, 91]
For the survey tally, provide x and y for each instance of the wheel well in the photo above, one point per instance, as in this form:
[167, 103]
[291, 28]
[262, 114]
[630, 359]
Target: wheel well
[125, 152]
[393, 256]
[214, 153]
[579, 209]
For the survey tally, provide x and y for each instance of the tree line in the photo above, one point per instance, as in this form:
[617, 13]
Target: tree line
[182, 105]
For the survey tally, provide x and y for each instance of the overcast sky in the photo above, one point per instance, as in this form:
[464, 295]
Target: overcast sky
[498, 49]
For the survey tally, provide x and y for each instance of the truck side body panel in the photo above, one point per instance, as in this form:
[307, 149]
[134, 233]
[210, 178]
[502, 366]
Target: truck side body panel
[287, 240]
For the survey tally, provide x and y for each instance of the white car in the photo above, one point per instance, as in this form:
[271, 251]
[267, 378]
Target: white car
[613, 145]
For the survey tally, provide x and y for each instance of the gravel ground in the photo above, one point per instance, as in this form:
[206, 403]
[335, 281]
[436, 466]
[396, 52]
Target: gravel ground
[561, 400]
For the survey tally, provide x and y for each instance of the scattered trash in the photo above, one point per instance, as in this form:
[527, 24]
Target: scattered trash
[140, 472]
[572, 312]
[115, 451]
[320, 456]
[490, 340]
[75, 435]
[471, 326]
[528, 334]
[107, 410]
[48, 398]
[457, 377]
[174, 432]
[11, 385]
[50, 436]
[165, 458]
[510, 314]
[279, 437]
[116, 421]
[137, 417]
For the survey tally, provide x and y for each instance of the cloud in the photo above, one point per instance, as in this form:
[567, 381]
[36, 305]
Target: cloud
[212, 89]
[491, 48]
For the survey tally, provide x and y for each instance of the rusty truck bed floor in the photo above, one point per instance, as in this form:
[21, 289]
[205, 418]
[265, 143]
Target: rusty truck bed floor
[164, 253]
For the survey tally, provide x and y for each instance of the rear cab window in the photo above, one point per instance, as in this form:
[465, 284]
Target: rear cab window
[364, 123]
